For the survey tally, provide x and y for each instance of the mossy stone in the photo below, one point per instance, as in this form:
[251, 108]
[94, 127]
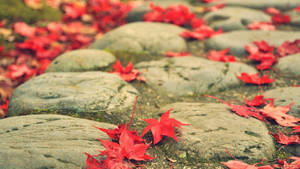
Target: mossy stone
[81, 60]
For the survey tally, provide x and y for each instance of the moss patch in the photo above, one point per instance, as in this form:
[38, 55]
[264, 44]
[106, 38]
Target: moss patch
[16, 10]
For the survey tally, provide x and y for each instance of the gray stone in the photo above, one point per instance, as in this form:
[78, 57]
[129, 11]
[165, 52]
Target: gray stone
[284, 96]
[234, 18]
[191, 75]
[237, 40]
[81, 60]
[89, 93]
[143, 37]
[295, 17]
[289, 65]
[138, 13]
[48, 141]
[259, 4]
[213, 128]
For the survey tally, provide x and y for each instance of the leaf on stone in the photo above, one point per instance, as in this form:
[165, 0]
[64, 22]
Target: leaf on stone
[128, 73]
[3, 108]
[220, 56]
[164, 127]
[272, 11]
[289, 48]
[279, 114]
[281, 19]
[241, 110]
[296, 129]
[256, 101]
[285, 140]
[255, 79]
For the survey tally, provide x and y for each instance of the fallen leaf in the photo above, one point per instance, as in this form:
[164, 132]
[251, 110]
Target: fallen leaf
[256, 101]
[3, 108]
[297, 129]
[220, 56]
[289, 48]
[281, 19]
[215, 7]
[273, 11]
[279, 114]
[285, 140]
[255, 79]
[285, 165]
[164, 127]
[128, 73]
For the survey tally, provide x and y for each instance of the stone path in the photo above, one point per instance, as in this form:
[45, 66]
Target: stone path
[78, 84]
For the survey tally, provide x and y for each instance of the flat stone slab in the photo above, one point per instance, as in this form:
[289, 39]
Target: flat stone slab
[89, 93]
[289, 65]
[81, 60]
[143, 37]
[259, 4]
[284, 96]
[237, 40]
[138, 13]
[191, 75]
[48, 141]
[213, 128]
[234, 18]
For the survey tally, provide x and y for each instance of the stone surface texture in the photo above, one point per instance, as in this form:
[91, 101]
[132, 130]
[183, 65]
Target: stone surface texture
[213, 128]
[143, 37]
[48, 141]
[289, 65]
[81, 60]
[237, 40]
[234, 18]
[70, 93]
[191, 75]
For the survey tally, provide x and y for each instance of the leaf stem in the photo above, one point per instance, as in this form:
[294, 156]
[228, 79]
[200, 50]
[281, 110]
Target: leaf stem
[133, 111]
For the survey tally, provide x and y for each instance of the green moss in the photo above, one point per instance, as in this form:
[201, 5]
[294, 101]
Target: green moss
[16, 10]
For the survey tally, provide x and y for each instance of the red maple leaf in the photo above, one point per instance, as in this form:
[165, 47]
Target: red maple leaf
[23, 29]
[297, 9]
[255, 79]
[279, 114]
[175, 14]
[201, 33]
[176, 54]
[296, 129]
[256, 101]
[236, 164]
[197, 22]
[208, 1]
[220, 56]
[289, 48]
[281, 19]
[115, 134]
[128, 73]
[242, 110]
[263, 53]
[285, 140]
[164, 127]
[285, 165]
[261, 26]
